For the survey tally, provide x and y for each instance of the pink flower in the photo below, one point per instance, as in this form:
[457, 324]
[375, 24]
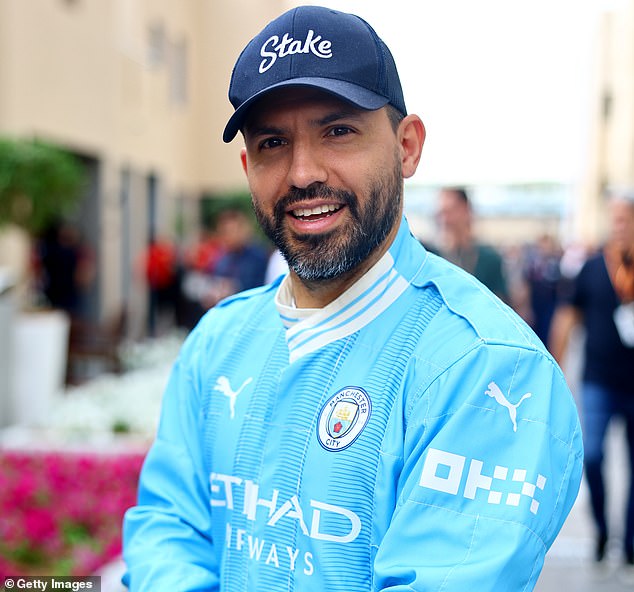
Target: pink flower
[64, 506]
[40, 526]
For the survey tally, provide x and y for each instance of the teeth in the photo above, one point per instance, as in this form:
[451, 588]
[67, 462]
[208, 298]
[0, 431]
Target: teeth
[316, 210]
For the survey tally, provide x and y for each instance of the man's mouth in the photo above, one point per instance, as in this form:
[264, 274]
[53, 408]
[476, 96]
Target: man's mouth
[316, 212]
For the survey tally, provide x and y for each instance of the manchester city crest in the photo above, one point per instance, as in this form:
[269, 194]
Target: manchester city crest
[343, 418]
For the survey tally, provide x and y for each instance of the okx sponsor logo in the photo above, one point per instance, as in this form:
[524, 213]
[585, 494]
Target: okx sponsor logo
[498, 485]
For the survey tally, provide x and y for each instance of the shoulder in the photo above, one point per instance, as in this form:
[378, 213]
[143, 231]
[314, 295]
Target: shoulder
[241, 309]
[469, 312]
[488, 253]
[233, 325]
[593, 262]
[487, 249]
[475, 343]
[590, 274]
[472, 339]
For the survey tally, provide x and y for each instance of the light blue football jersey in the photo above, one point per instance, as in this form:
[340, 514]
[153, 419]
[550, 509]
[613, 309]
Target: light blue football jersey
[412, 435]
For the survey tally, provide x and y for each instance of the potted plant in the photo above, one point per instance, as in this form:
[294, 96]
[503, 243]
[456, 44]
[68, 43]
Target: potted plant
[39, 183]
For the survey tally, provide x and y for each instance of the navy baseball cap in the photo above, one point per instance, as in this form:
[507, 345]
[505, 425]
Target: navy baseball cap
[320, 48]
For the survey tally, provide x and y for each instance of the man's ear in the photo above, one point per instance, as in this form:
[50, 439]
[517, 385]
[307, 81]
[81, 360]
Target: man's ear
[243, 158]
[411, 137]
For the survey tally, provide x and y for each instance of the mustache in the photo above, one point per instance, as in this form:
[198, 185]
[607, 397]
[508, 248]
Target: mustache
[296, 195]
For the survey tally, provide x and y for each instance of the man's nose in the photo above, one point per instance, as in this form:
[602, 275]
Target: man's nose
[307, 166]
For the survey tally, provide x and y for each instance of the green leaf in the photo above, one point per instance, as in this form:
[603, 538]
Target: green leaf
[39, 183]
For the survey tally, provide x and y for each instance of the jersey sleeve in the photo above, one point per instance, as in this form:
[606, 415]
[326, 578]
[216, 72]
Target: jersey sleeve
[491, 467]
[167, 540]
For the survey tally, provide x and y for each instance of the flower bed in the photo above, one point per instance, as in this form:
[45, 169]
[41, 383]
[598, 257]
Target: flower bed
[61, 512]
[65, 485]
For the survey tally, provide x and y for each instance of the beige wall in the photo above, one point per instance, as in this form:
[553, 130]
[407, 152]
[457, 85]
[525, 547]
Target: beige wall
[55, 72]
[619, 82]
[227, 36]
[81, 73]
[610, 155]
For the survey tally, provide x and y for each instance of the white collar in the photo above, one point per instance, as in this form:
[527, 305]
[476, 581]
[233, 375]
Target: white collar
[309, 329]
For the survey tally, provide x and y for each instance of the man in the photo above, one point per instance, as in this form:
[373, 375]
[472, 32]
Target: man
[459, 245]
[541, 273]
[372, 421]
[243, 263]
[602, 300]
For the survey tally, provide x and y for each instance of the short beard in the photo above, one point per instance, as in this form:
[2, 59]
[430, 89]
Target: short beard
[323, 257]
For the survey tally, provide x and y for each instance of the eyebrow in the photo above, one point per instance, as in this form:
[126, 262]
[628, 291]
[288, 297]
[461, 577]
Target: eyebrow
[337, 115]
[254, 129]
[262, 130]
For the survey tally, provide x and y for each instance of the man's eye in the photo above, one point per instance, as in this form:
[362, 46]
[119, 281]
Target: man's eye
[340, 130]
[271, 143]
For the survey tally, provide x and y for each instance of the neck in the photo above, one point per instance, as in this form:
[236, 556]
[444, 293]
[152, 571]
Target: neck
[454, 241]
[624, 249]
[463, 241]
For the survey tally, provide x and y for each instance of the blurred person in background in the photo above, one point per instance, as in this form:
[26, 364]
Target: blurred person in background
[159, 264]
[514, 259]
[244, 259]
[602, 300]
[65, 267]
[198, 262]
[542, 274]
[230, 260]
[459, 244]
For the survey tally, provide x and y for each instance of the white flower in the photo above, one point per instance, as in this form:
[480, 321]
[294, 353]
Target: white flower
[129, 402]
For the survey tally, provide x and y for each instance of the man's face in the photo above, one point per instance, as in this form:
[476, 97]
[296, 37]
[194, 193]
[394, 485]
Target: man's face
[325, 179]
[234, 230]
[453, 214]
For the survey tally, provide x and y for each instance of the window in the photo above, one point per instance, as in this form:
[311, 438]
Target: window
[178, 73]
[157, 45]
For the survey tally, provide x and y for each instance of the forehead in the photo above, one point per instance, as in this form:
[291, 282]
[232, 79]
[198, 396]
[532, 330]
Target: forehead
[449, 198]
[622, 208]
[295, 100]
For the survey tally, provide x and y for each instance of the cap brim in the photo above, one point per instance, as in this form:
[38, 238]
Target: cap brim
[357, 95]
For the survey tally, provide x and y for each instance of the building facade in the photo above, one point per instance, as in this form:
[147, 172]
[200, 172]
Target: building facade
[610, 147]
[137, 89]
